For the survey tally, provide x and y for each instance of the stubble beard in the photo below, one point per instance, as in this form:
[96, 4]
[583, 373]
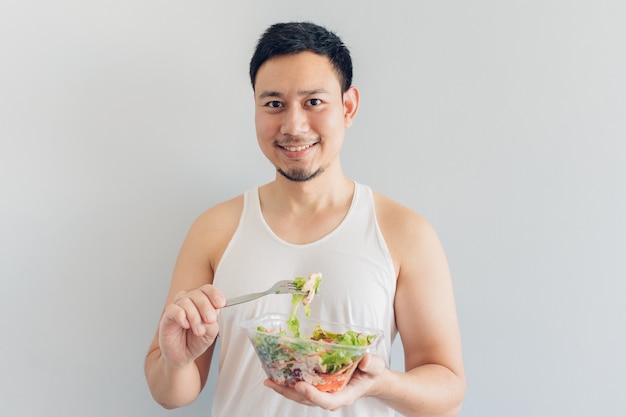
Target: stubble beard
[297, 174]
[300, 175]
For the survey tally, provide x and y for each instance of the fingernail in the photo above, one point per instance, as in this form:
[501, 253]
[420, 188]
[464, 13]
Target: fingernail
[210, 316]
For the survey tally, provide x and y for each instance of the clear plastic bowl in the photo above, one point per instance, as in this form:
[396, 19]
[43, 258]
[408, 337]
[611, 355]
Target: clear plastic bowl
[287, 359]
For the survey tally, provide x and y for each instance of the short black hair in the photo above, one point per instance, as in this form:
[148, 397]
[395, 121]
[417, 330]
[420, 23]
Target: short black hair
[294, 37]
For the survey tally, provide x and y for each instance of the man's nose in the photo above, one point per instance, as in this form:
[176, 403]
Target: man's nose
[295, 122]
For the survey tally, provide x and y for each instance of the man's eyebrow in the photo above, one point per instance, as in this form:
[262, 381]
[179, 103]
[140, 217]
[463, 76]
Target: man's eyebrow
[266, 94]
[312, 92]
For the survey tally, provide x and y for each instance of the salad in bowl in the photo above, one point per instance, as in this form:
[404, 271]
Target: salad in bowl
[323, 354]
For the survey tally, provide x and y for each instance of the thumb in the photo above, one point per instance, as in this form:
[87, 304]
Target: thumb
[372, 364]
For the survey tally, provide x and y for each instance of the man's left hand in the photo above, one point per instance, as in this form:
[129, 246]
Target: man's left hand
[361, 384]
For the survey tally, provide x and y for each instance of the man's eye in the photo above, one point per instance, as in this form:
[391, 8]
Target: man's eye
[315, 102]
[274, 104]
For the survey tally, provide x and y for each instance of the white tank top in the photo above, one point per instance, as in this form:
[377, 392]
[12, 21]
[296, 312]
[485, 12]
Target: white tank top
[358, 287]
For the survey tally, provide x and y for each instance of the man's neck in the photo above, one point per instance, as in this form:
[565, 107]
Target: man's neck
[307, 197]
[301, 213]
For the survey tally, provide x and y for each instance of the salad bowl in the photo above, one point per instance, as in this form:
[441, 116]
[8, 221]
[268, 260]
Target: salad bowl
[325, 354]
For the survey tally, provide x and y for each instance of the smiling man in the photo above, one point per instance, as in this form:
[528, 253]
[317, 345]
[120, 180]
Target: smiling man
[302, 113]
[383, 264]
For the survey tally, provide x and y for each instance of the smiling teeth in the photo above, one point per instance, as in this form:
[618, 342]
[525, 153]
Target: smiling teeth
[297, 148]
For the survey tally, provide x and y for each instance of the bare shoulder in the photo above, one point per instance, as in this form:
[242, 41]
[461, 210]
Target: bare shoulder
[221, 218]
[207, 239]
[393, 214]
[406, 232]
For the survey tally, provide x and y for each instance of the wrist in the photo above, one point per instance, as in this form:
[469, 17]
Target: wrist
[382, 384]
[173, 366]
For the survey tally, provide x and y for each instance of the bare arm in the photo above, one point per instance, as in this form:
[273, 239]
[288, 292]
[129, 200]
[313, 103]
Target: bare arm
[178, 360]
[434, 382]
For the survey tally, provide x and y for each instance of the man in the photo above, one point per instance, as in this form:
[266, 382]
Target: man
[382, 264]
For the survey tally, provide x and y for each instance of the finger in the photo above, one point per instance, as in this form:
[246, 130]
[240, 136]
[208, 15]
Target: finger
[181, 318]
[179, 295]
[192, 315]
[371, 364]
[176, 314]
[204, 305]
[313, 396]
[215, 296]
[287, 392]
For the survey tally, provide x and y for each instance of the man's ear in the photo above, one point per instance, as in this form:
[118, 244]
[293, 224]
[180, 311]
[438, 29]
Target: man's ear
[350, 105]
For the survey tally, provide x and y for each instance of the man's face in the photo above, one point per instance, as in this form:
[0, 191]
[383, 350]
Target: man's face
[301, 114]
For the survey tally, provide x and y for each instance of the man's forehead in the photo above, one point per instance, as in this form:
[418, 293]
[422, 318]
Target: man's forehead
[306, 72]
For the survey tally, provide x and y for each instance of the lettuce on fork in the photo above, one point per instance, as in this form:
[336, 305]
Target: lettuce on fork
[309, 287]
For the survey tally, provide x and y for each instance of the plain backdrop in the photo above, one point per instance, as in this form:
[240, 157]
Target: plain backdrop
[501, 122]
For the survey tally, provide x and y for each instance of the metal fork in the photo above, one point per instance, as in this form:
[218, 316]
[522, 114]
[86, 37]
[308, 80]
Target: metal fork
[281, 287]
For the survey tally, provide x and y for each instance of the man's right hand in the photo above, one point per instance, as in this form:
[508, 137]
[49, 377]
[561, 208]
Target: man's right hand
[189, 326]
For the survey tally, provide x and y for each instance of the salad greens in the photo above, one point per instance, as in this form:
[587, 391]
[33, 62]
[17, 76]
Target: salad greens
[349, 338]
[310, 286]
[289, 360]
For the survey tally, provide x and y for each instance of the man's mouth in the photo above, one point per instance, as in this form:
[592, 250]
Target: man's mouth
[297, 148]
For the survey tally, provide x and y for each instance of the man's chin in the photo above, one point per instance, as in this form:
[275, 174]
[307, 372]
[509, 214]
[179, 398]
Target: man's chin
[299, 175]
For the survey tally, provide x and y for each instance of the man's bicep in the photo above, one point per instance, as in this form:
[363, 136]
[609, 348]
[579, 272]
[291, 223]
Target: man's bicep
[424, 306]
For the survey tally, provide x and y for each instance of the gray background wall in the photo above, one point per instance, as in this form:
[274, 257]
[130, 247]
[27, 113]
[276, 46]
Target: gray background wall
[504, 123]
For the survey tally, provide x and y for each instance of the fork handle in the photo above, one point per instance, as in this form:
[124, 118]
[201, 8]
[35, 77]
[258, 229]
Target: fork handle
[244, 298]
